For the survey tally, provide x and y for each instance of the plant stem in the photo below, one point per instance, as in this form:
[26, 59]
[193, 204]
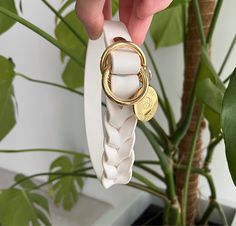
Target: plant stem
[40, 32]
[189, 166]
[206, 215]
[204, 173]
[50, 84]
[65, 22]
[210, 150]
[199, 22]
[227, 57]
[130, 184]
[151, 162]
[46, 150]
[147, 182]
[222, 214]
[72, 173]
[168, 111]
[167, 146]
[64, 6]
[53, 84]
[214, 20]
[184, 124]
[156, 71]
[165, 162]
[148, 190]
[151, 171]
[156, 126]
[158, 140]
[92, 176]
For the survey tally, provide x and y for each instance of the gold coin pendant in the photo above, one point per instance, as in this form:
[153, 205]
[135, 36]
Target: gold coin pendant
[146, 108]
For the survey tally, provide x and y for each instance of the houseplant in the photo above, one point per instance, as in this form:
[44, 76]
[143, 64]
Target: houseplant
[170, 146]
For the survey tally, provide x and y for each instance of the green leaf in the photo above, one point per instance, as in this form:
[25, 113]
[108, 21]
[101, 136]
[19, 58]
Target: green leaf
[228, 123]
[115, 5]
[6, 22]
[167, 27]
[210, 95]
[178, 2]
[210, 91]
[66, 189]
[207, 70]
[26, 184]
[73, 73]
[7, 104]
[20, 206]
[66, 37]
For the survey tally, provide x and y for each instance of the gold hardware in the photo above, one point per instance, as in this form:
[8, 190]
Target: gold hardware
[145, 100]
[146, 108]
[106, 71]
[121, 45]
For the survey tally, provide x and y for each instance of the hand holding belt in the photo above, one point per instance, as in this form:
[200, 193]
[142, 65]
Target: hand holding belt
[123, 67]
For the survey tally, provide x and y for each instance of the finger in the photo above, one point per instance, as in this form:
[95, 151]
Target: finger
[137, 26]
[125, 10]
[90, 13]
[107, 12]
[147, 8]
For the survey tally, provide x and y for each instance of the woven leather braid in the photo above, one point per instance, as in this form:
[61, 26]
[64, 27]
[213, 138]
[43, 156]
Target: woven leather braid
[118, 156]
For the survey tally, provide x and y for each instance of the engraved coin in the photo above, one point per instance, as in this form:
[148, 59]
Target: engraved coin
[146, 108]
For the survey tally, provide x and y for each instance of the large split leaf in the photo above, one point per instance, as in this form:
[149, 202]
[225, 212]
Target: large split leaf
[66, 189]
[210, 91]
[5, 21]
[228, 123]
[7, 104]
[167, 27]
[20, 206]
[66, 36]
[73, 75]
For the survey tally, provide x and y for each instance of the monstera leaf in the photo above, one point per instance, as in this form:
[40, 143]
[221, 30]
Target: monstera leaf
[7, 103]
[228, 123]
[167, 27]
[73, 73]
[65, 189]
[21, 206]
[6, 22]
[210, 91]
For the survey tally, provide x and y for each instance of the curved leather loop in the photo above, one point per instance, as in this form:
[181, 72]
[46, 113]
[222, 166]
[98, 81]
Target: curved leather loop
[111, 138]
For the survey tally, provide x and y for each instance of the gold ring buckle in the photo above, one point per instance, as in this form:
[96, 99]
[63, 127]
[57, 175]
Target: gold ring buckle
[106, 72]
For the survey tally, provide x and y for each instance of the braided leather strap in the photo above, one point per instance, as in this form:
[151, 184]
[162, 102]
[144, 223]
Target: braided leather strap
[118, 157]
[111, 138]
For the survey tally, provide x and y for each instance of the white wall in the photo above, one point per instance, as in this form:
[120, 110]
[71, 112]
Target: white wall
[53, 118]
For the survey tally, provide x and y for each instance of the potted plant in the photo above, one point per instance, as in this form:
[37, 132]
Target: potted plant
[179, 151]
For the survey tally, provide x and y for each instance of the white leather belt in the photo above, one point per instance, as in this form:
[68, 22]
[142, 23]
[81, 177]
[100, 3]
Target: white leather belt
[111, 136]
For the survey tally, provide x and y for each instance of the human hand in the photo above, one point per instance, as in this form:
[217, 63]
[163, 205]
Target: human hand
[135, 14]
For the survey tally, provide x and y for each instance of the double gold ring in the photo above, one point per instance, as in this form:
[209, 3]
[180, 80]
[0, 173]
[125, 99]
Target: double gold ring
[106, 68]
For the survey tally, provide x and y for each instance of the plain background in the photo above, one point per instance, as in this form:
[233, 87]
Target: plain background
[49, 117]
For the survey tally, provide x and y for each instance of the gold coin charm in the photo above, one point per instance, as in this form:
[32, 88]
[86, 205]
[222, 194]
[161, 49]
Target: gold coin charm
[146, 108]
